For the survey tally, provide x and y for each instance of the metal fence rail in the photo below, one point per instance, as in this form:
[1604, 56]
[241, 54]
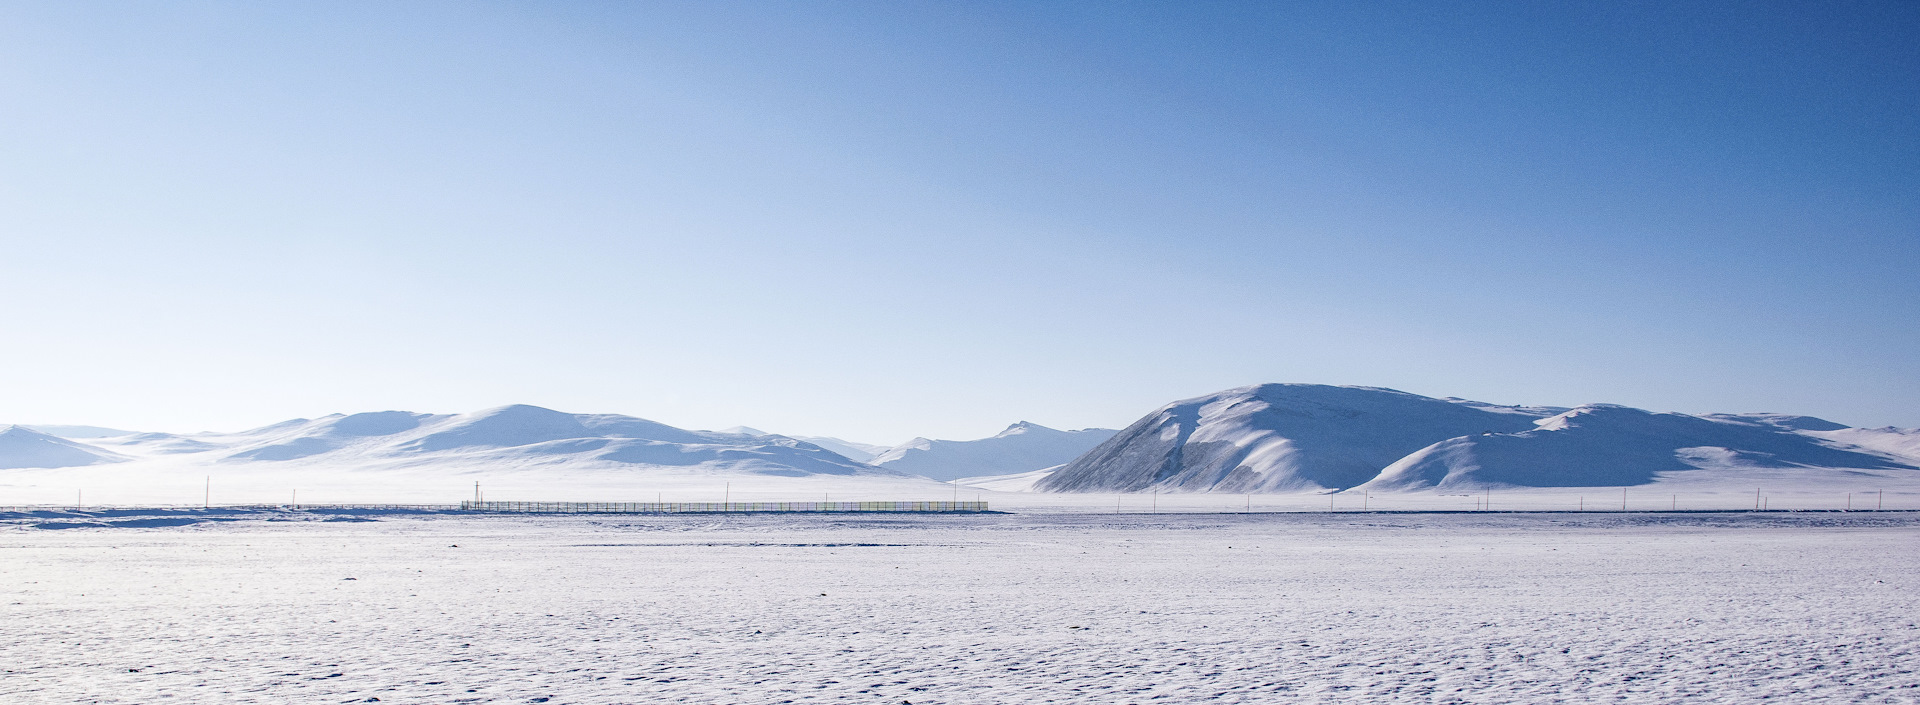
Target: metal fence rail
[715, 507]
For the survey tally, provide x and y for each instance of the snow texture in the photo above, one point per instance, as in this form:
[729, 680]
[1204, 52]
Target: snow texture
[1022, 447]
[1902, 443]
[962, 610]
[1014, 482]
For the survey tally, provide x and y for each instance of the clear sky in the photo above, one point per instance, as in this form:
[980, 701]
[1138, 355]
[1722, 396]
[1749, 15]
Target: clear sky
[882, 220]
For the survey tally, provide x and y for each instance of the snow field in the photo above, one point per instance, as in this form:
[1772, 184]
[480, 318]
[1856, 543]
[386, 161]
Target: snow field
[1024, 608]
[111, 485]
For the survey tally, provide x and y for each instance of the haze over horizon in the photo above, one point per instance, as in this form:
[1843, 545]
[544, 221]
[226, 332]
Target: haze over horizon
[880, 221]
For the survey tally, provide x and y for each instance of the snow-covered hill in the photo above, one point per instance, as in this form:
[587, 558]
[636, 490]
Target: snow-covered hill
[862, 452]
[1022, 447]
[1603, 445]
[22, 447]
[1289, 437]
[1902, 443]
[1276, 438]
[517, 436]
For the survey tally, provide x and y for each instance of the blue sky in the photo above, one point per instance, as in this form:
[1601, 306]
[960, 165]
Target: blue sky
[882, 220]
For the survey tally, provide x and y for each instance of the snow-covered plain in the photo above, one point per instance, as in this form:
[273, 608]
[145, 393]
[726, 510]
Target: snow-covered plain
[1004, 608]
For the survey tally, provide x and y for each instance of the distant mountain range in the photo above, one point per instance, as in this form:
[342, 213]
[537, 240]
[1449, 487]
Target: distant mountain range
[1270, 438]
[1305, 437]
[862, 452]
[1022, 447]
[531, 437]
[519, 437]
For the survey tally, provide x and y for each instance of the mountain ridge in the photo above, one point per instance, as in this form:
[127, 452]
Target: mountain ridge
[515, 435]
[1269, 438]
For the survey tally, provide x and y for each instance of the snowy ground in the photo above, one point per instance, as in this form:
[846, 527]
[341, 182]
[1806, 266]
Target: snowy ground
[1010, 608]
[190, 485]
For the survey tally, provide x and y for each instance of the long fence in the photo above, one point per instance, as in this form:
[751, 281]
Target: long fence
[714, 507]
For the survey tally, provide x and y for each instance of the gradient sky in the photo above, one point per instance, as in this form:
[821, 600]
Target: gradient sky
[882, 220]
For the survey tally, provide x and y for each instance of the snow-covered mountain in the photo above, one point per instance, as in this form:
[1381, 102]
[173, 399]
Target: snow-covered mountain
[1020, 448]
[1281, 437]
[863, 452]
[512, 437]
[22, 447]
